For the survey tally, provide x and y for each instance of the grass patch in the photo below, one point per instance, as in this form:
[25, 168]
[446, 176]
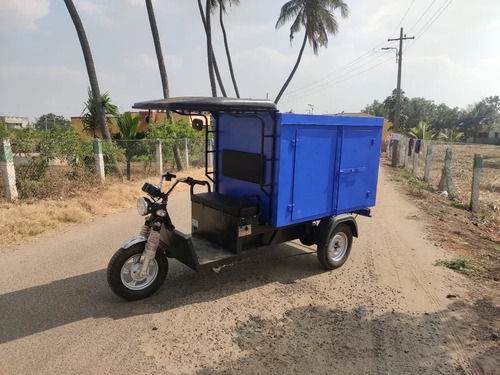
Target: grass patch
[462, 265]
[414, 182]
[25, 219]
[462, 206]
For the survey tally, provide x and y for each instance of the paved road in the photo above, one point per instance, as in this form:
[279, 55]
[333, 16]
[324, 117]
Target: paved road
[384, 312]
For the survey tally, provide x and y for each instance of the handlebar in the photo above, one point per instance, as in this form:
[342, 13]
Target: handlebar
[187, 180]
[192, 182]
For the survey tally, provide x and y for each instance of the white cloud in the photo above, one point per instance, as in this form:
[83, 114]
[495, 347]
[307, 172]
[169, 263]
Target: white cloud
[22, 14]
[33, 90]
[94, 9]
[148, 62]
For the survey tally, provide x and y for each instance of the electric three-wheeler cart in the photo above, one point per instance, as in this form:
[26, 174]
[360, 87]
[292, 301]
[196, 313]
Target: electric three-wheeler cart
[275, 177]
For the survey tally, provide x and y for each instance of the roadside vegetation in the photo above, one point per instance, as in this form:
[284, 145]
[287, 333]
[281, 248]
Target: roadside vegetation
[28, 218]
[423, 119]
[472, 239]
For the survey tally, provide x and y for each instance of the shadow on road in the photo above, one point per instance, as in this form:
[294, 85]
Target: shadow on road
[32, 310]
[320, 340]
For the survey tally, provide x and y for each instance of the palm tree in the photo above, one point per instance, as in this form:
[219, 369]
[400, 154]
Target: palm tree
[422, 131]
[318, 20]
[222, 10]
[94, 84]
[212, 62]
[128, 130]
[159, 53]
[451, 135]
[163, 73]
[90, 118]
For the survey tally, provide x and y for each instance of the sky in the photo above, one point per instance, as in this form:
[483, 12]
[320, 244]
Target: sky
[454, 60]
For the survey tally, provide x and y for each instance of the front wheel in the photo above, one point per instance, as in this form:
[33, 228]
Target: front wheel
[124, 273]
[334, 245]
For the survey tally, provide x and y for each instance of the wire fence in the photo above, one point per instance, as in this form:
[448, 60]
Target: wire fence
[461, 168]
[48, 168]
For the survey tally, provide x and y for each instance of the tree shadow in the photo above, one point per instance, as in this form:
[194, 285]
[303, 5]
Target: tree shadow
[43, 307]
[321, 340]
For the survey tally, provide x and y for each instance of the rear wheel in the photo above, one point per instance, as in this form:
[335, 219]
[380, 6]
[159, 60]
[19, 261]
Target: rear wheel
[124, 273]
[334, 244]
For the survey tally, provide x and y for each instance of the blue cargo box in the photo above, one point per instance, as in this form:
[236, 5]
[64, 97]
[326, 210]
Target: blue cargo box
[323, 165]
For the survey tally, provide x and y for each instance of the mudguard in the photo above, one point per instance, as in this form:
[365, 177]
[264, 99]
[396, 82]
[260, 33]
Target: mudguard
[132, 241]
[349, 219]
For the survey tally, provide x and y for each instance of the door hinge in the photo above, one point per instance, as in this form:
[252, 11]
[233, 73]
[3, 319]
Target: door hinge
[293, 142]
[291, 206]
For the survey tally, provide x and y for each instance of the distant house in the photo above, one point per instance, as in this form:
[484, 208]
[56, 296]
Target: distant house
[15, 122]
[488, 136]
[155, 117]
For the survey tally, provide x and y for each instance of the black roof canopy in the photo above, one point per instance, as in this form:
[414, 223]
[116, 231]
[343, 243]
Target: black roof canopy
[208, 104]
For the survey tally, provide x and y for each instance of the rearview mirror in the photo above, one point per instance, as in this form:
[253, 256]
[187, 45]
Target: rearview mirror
[197, 124]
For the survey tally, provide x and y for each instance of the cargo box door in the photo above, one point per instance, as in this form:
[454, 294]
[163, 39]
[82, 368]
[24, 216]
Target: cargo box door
[358, 169]
[313, 172]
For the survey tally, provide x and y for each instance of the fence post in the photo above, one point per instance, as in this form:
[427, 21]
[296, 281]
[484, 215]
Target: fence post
[428, 158]
[159, 157]
[415, 163]
[186, 153]
[476, 175]
[8, 170]
[99, 159]
[395, 153]
[446, 183]
[405, 154]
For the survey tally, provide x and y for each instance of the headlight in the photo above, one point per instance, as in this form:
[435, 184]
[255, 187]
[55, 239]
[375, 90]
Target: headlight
[143, 205]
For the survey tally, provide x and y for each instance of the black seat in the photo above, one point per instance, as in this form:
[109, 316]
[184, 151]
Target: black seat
[227, 204]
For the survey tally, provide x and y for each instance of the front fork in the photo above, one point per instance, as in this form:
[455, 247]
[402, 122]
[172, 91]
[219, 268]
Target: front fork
[152, 233]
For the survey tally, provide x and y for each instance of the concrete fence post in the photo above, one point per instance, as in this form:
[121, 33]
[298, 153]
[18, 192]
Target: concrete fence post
[395, 153]
[99, 160]
[8, 170]
[159, 157]
[476, 176]
[186, 153]
[446, 183]
[415, 163]
[405, 154]
[428, 160]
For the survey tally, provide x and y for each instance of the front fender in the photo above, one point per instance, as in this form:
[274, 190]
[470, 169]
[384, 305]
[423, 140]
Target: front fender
[132, 241]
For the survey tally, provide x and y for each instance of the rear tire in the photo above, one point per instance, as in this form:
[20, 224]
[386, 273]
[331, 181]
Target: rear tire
[334, 245]
[120, 278]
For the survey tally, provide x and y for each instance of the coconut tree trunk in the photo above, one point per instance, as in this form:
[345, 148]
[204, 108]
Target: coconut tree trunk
[297, 63]
[159, 53]
[210, 52]
[228, 55]
[163, 71]
[94, 84]
[208, 33]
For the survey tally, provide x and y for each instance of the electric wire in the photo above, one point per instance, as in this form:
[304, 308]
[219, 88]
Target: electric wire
[353, 65]
[339, 79]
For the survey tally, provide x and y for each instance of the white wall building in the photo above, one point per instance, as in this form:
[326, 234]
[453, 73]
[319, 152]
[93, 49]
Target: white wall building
[15, 122]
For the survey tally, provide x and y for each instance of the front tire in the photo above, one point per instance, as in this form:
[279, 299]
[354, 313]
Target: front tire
[122, 273]
[334, 244]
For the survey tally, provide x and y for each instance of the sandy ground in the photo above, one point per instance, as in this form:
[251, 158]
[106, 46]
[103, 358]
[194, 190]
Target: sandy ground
[388, 310]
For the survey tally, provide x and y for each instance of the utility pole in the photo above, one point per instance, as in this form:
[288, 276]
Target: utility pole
[400, 63]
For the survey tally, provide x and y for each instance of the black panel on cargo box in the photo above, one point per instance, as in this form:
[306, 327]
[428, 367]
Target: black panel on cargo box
[241, 165]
